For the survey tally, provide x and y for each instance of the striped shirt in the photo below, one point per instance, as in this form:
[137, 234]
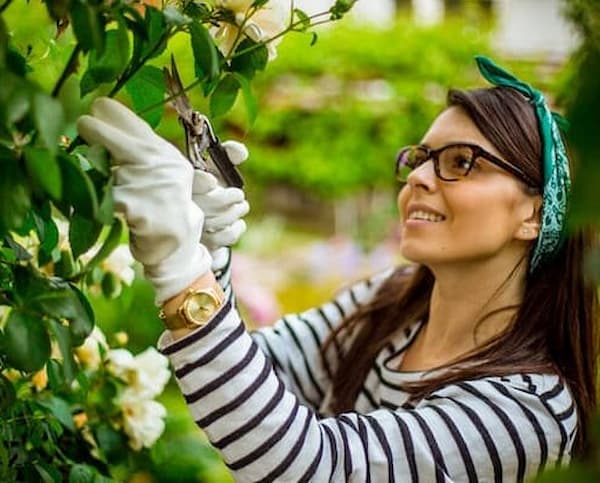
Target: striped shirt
[262, 399]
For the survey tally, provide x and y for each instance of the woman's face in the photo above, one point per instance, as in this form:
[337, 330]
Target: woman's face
[476, 218]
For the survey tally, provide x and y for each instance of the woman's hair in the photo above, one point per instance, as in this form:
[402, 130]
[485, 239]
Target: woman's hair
[554, 328]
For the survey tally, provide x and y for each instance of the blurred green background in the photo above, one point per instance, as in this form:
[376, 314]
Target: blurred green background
[320, 176]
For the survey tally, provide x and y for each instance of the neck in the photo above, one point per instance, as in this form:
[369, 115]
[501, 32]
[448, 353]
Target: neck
[461, 299]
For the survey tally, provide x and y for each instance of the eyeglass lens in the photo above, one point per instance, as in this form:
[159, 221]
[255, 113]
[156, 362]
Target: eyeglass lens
[453, 162]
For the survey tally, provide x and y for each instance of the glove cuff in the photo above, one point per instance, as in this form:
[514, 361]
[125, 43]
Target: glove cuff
[178, 271]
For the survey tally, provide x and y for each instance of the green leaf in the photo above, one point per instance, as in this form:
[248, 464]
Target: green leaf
[147, 88]
[42, 167]
[314, 39]
[99, 158]
[153, 43]
[224, 95]
[81, 326]
[110, 243]
[198, 11]
[106, 209]
[65, 344]
[107, 66]
[26, 342]
[48, 117]
[88, 25]
[16, 62]
[259, 3]
[205, 52]
[7, 393]
[51, 236]
[111, 443]
[248, 63]
[65, 266]
[78, 189]
[60, 409]
[303, 18]
[67, 302]
[340, 7]
[56, 378]
[15, 195]
[48, 473]
[249, 98]
[15, 97]
[82, 474]
[83, 233]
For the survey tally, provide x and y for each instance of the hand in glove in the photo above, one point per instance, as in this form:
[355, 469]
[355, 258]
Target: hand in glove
[153, 188]
[223, 207]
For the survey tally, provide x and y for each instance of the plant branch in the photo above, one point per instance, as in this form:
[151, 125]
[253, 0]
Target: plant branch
[171, 97]
[290, 28]
[128, 73]
[69, 69]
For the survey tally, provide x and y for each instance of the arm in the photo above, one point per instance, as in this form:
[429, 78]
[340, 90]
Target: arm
[294, 343]
[481, 430]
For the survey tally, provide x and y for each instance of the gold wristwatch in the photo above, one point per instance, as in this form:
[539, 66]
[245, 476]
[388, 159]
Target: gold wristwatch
[196, 310]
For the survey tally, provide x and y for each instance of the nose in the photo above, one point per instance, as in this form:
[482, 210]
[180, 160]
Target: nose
[424, 176]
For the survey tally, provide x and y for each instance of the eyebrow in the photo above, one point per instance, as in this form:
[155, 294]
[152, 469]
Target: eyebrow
[424, 144]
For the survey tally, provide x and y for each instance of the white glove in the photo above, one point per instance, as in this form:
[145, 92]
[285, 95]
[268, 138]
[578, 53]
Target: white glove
[153, 188]
[223, 207]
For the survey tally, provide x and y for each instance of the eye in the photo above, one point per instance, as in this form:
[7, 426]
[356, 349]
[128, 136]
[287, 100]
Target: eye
[461, 162]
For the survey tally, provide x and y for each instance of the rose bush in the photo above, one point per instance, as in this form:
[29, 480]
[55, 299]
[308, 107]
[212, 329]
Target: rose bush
[72, 405]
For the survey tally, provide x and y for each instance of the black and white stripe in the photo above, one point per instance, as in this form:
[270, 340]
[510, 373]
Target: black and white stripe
[260, 398]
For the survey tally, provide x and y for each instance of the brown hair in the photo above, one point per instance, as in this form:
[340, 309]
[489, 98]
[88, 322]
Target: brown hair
[554, 329]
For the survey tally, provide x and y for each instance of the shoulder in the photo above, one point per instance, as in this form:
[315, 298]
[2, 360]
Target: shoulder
[537, 407]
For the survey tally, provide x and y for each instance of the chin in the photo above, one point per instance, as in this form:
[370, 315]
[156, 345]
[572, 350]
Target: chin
[416, 254]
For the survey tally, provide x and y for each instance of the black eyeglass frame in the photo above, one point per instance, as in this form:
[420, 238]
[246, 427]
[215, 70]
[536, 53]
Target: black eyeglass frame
[478, 152]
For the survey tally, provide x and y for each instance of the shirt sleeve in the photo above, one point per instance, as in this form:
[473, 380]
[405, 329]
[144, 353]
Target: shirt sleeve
[294, 342]
[485, 430]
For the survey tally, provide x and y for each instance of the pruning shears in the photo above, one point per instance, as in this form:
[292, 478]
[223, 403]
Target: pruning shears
[204, 149]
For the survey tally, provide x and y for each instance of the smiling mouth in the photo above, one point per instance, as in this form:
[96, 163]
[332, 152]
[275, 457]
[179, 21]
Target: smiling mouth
[426, 216]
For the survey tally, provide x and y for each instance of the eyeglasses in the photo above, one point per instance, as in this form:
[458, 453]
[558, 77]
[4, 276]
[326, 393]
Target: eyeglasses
[452, 162]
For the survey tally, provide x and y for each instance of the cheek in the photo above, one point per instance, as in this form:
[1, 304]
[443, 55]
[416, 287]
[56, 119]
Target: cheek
[402, 200]
[486, 215]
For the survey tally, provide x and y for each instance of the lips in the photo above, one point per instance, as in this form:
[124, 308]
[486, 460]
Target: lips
[424, 213]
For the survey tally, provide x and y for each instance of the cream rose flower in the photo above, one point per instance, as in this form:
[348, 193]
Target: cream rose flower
[88, 353]
[267, 22]
[146, 374]
[119, 262]
[143, 419]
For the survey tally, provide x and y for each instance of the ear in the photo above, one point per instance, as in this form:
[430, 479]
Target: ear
[530, 211]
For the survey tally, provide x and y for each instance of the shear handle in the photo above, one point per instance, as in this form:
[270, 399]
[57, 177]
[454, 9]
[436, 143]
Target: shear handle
[225, 167]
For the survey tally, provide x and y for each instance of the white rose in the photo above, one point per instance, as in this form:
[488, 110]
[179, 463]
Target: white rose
[88, 353]
[267, 22]
[120, 263]
[143, 419]
[146, 374]
[153, 372]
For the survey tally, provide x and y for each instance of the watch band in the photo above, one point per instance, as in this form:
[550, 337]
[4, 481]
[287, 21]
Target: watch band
[197, 308]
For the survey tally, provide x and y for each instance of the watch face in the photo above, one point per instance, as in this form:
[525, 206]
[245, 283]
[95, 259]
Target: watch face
[200, 307]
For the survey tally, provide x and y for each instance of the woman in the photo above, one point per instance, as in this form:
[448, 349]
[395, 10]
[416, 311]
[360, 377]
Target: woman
[476, 363]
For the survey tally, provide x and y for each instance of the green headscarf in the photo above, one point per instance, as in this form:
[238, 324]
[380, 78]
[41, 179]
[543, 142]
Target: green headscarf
[557, 180]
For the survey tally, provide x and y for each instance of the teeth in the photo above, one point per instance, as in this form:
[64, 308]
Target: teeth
[424, 215]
